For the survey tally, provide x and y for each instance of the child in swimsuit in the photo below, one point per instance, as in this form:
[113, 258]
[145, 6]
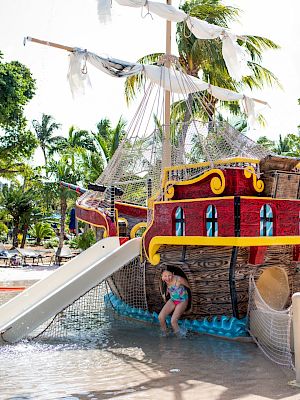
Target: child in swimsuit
[177, 304]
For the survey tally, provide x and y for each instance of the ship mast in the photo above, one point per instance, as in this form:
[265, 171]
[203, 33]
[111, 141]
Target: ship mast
[166, 145]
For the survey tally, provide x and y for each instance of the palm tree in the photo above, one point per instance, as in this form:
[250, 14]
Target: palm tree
[92, 166]
[107, 139]
[32, 215]
[62, 171]
[44, 133]
[288, 145]
[18, 203]
[204, 57]
[266, 143]
[77, 142]
[41, 230]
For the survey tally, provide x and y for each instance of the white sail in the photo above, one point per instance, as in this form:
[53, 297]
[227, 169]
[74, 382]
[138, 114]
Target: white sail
[234, 55]
[168, 79]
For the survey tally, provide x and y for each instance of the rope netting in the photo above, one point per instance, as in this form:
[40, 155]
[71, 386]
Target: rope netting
[91, 311]
[196, 134]
[270, 329]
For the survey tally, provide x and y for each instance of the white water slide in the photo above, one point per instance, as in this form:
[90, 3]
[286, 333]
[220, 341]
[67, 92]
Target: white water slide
[47, 297]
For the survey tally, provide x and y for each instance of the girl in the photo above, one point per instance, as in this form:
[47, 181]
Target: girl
[177, 303]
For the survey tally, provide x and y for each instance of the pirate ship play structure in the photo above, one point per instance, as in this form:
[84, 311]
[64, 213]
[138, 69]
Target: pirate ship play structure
[215, 222]
[216, 228]
[213, 206]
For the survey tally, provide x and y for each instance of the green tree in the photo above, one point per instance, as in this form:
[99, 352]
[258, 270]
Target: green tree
[72, 147]
[204, 57]
[18, 203]
[92, 166]
[17, 87]
[62, 171]
[44, 132]
[266, 143]
[107, 139]
[288, 145]
[15, 150]
[40, 231]
[17, 144]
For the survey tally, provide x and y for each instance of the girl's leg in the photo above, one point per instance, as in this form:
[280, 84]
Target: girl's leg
[165, 311]
[179, 310]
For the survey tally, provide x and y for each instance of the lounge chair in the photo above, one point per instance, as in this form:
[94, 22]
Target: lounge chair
[65, 254]
[32, 255]
[10, 257]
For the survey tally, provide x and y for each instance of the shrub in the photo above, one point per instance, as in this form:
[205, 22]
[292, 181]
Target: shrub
[41, 230]
[3, 232]
[51, 243]
[86, 239]
[73, 243]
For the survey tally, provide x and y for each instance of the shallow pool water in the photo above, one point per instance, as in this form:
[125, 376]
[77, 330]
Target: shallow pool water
[129, 360]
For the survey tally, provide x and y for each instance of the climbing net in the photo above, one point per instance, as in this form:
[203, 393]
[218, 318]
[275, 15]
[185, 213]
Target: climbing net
[270, 329]
[91, 311]
[196, 134]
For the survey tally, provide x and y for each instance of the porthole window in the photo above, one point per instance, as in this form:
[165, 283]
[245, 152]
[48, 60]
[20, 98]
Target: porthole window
[211, 221]
[179, 222]
[266, 220]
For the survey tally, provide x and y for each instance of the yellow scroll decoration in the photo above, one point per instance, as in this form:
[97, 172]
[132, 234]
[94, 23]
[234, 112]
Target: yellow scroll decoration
[257, 183]
[217, 183]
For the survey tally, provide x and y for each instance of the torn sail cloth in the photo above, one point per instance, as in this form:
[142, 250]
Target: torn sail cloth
[169, 79]
[78, 74]
[234, 55]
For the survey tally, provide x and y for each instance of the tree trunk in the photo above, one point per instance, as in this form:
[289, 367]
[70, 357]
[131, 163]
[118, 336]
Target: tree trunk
[25, 230]
[63, 210]
[45, 158]
[45, 155]
[15, 233]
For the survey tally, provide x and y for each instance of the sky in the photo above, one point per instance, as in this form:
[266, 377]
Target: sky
[130, 36]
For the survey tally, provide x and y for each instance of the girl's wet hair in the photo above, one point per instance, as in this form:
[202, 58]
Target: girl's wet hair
[166, 270]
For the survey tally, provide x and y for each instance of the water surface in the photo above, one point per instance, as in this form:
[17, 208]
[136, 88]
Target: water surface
[126, 360]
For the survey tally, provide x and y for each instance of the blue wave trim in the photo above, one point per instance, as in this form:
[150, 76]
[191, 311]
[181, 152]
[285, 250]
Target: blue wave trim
[223, 326]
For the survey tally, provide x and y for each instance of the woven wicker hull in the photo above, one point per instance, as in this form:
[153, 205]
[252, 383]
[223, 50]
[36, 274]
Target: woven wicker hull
[207, 270]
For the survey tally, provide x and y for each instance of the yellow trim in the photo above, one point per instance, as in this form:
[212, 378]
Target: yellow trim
[267, 198]
[158, 241]
[96, 225]
[122, 219]
[207, 164]
[131, 205]
[116, 221]
[181, 201]
[217, 184]
[151, 200]
[257, 183]
[96, 211]
[196, 200]
[223, 198]
[136, 227]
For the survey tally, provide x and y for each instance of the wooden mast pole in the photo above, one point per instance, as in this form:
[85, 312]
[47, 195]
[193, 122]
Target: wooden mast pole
[166, 150]
[51, 44]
